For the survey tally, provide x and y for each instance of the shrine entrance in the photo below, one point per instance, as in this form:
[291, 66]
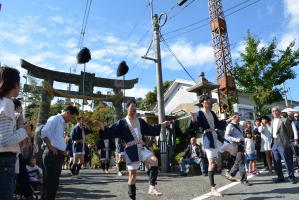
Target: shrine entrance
[89, 82]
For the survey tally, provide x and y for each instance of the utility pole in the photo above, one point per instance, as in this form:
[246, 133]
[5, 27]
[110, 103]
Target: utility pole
[285, 95]
[160, 96]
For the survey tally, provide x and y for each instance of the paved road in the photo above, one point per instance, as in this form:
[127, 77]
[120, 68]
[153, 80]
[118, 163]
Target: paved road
[93, 184]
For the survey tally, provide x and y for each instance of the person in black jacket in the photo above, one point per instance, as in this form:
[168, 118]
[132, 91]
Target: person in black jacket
[132, 131]
[206, 121]
[78, 136]
[193, 156]
[106, 147]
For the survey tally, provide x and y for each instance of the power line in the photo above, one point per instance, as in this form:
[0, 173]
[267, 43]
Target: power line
[140, 58]
[171, 9]
[84, 22]
[206, 24]
[134, 27]
[177, 13]
[138, 42]
[207, 18]
[83, 28]
[138, 21]
[173, 54]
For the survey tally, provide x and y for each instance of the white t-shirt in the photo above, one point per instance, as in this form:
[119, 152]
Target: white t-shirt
[275, 127]
[250, 145]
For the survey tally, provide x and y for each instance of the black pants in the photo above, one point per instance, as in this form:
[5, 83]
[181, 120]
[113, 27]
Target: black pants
[239, 164]
[23, 183]
[52, 170]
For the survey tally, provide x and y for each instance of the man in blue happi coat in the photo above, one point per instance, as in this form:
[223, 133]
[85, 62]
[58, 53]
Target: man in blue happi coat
[132, 131]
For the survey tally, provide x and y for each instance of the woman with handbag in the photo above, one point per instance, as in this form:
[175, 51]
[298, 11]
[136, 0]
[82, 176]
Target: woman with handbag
[132, 130]
[266, 140]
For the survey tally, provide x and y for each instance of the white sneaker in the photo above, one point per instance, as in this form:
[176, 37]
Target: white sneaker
[153, 191]
[215, 193]
[119, 174]
[106, 171]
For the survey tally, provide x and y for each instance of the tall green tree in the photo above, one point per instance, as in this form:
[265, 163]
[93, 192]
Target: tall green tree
[262, 70]
[150, 99]
[32, 99]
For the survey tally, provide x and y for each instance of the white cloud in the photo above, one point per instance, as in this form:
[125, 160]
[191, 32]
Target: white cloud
[14, 38]
[10, 59]
[287, 38]
[100, 70]
[240, 48]
[189, 55]
[57, 19]
[292, 11]
[70, 43]
[138, 92]
[68, 59]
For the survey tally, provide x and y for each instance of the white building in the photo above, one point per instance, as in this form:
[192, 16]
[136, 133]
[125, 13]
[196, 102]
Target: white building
[178, 100]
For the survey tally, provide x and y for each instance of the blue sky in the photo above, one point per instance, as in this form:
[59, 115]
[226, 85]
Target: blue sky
[46, 33]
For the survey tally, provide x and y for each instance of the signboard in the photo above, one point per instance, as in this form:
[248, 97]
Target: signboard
[247, 112]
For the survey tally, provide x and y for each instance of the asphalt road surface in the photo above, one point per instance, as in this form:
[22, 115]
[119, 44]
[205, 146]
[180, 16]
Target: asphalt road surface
[94, 184]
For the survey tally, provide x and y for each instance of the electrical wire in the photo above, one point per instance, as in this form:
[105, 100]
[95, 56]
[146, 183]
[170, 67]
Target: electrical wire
[206, 24]
[173, 54]
[207, 18]
[180, 11]
[84, 22]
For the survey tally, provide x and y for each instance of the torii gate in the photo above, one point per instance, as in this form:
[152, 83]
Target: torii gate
[90, 81]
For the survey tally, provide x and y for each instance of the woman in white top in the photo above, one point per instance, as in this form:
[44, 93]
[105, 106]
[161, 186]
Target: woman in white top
[9, 136]
[266, 140]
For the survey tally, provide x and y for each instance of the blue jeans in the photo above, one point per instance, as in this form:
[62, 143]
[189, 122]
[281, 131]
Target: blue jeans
[279, 152]
[7, 176]
[191, 161]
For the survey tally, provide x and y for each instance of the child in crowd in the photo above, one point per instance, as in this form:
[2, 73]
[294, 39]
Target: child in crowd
[250, 152]
[35, 173]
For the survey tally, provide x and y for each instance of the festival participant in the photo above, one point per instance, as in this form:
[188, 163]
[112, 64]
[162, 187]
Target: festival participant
[78, 136]
[207, 120]
[106, 147]
[121, 163]
[132, 131]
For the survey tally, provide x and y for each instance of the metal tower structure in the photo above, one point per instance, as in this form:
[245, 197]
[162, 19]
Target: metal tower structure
[222, 55]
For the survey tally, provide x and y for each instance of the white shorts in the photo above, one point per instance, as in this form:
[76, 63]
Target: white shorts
[212, 152]
[145, 154]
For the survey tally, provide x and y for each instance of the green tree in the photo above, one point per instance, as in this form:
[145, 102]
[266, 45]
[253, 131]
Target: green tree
[33, 99]
[57, 107]
[263, 69]
[150, 99]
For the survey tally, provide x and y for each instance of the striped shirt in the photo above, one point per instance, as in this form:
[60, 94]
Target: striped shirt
[34, 173]
[9, 136]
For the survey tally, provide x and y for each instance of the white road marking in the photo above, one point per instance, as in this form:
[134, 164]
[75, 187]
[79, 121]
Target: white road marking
[207, 195]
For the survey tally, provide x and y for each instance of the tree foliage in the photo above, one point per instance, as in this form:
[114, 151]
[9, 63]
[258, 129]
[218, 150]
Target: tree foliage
[150, 99]
[32, 100]
[263, 68]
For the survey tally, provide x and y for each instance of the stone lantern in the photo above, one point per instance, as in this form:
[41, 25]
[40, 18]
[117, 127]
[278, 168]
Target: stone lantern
[203, 87]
